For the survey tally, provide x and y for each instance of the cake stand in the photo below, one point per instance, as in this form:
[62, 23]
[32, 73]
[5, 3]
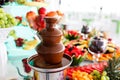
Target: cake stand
[3, 52]
[50, 73]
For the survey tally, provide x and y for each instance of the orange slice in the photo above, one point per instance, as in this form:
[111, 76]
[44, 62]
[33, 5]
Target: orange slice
[51, 14]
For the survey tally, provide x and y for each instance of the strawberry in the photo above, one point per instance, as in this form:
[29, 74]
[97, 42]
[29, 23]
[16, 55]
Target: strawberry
[19, 18]
[27, 68]
[19, 42]
[41, 11]
[109, 39]
[40, 23]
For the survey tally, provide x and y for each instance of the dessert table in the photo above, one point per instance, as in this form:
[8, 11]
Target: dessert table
[16, 54]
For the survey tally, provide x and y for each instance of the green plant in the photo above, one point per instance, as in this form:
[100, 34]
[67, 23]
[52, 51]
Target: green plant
[113, 68]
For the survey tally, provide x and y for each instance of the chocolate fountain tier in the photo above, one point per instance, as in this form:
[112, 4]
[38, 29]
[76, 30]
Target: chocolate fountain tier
[52, 32]
[50, 49]
[50, 37]
[39, 64]
[51, 54]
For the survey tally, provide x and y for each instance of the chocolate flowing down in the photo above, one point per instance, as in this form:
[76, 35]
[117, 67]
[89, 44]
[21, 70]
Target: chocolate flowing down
[50, 49]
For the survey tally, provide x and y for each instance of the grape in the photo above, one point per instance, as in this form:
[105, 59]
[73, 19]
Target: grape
[6, 20]
[7, 25]
[96, 72]
[1, 10]
[1, 22]
[3, 26]
[107, 78]
[8, 15]
[1, 15]
[96, 75]
[103, 78]
[12, 20]
[13, 33]
[104, 73]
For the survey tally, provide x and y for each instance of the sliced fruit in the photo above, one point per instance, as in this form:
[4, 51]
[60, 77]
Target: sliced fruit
[51, 14]
[31, 15]
[59, 13]
[30, 44]
[36, 4]
[87, 68]
[19, 19]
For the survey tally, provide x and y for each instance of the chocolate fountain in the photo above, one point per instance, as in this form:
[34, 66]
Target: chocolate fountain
[50, 60]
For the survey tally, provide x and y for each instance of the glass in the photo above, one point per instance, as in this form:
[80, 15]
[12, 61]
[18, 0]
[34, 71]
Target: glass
[85, 31]
[97, 46]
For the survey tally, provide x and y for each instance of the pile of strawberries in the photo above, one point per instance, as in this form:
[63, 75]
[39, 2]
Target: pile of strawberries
[36, 21]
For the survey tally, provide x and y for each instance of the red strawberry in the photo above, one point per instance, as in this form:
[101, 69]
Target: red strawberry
[26, 66]
[19, 42]
[19, 18]
[109, 39]
[41, 10]
[39, 21]
[24, 61]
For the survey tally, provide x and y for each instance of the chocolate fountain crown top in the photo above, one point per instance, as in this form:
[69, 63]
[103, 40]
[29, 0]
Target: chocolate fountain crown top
[50, 35]
[50, 29]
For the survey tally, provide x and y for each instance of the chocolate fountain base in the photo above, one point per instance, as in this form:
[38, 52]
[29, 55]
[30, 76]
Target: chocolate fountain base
[47, 71]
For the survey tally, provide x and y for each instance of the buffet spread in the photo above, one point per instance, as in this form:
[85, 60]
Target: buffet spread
[57, 53]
